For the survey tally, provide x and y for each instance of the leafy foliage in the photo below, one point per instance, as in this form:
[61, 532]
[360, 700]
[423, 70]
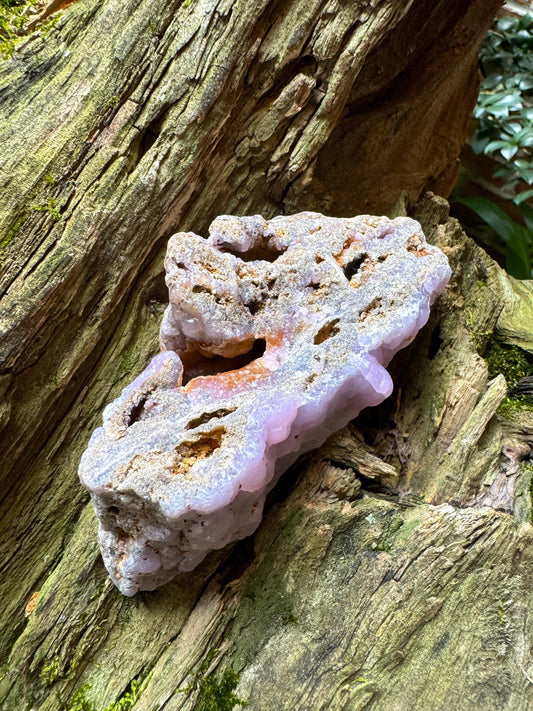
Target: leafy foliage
[504, 112]
[504, 132]
[512, 239]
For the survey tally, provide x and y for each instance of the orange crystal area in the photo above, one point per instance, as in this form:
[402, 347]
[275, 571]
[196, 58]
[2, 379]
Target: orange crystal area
[240, 378]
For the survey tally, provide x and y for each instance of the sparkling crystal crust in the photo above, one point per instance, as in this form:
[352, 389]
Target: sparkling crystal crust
[277, 334]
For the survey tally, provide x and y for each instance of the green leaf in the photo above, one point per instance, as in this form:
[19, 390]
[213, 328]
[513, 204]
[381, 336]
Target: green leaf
[517, 259]
[525, 137]
[525, 170]
[517, 238]
[503, 172]
[505, 23]
[508, 152]
[493, 215]
[525, 22]
[491, 81]
[513, 127]
[527, 214]
[495, 145]
[526, 83]
[522, 197]
[479, 143]
[498, 100]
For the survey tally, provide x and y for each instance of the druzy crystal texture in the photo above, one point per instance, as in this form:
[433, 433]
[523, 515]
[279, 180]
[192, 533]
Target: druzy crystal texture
[277, 334]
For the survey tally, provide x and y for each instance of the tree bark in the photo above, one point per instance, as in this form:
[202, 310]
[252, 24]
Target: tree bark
[393, 568]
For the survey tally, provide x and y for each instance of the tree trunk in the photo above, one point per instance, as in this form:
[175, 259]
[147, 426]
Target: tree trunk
[393, 568]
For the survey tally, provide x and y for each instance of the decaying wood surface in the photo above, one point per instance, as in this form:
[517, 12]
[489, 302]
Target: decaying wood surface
[394, 567]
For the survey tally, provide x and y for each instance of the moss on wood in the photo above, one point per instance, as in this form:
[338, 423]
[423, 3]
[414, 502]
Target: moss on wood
[512, 362]
[408, 589]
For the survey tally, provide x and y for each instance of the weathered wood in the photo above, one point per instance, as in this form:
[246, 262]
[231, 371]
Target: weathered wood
[136, 119]
[404, 585]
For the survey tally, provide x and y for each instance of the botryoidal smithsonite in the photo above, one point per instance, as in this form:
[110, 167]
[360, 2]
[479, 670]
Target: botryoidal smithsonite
[277, 334]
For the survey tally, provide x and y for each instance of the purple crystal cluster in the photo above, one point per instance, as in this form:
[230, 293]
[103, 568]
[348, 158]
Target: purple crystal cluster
[277, 334]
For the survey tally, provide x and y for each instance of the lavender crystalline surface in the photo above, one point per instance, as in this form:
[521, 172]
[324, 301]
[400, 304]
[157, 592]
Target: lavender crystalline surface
[277, 334]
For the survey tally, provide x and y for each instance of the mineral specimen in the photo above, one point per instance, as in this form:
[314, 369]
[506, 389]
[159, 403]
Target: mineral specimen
[277, 334]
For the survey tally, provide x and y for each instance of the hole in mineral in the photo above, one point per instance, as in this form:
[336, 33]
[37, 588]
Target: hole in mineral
[199, 289]
[372, 308]
[191, 451]
[263, 253]
[203, 419]
[353, 266]
[196, 364]
[137, 410]
[327, 331]
[254, 306]
[121, 535]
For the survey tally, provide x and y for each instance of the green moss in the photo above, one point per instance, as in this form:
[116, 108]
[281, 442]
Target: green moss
[7, 44]
[409, 522]
[129, 360]
[12, 232]
[76, 659]
[50, 672]
[50, 179]
[391, 527]
[13, 16]
[98, 590]
[129, 698]
[215, 691]
[267, 592]
[50, 24]
[509, 405]
[512, 362]
[4, 670]
[478, 337]
[50, 208]
[114, 100]
[79, 701]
